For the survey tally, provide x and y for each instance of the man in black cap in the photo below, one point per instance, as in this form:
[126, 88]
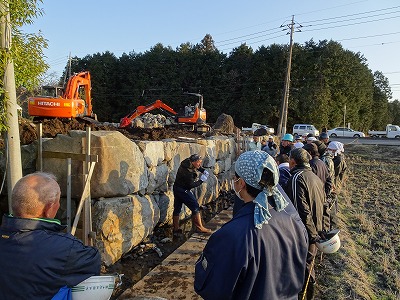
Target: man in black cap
[324, 138]
[186, 179]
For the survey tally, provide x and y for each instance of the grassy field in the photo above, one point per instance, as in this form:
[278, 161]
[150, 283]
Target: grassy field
[367, 266]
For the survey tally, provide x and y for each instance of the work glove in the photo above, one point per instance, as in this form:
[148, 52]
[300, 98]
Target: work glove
[203, 177]
[322, 236]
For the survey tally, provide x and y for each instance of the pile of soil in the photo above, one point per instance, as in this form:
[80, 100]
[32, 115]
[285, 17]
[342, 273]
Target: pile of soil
[52, 127]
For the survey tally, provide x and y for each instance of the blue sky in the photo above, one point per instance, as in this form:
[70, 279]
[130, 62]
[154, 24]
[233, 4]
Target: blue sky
[79, 27]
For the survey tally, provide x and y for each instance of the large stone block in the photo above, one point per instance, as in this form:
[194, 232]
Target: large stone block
[169, 149]
[28, 158]
[208, 191]
[153, 152]
[122, 223]
[221, 147]
[227, 163]
[120, 170]
[165, 202]
[157, 179]
[210, 155]
[220, 166]
[198, 149]
[182, 151]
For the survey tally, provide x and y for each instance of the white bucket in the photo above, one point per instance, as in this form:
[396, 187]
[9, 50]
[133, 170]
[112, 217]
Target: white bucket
[94, 288]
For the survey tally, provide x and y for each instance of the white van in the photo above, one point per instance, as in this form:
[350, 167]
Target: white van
[304, 129]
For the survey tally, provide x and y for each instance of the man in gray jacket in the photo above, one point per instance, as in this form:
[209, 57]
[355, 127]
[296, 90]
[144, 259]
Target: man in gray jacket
[306, 191]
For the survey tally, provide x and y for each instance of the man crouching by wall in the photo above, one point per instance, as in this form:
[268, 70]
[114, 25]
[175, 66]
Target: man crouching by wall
[37, 258]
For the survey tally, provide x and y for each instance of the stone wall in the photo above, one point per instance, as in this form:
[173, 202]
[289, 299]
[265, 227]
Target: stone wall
[131, 186]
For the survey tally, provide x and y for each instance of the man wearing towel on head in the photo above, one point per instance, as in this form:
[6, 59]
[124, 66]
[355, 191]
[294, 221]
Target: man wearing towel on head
[261, 252]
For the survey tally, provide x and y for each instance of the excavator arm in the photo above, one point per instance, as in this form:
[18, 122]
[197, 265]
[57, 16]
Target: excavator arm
[140, 110]
[81, 79]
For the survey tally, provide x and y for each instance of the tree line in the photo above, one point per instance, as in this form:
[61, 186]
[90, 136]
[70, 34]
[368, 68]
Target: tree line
[26, 51]
[247, 84]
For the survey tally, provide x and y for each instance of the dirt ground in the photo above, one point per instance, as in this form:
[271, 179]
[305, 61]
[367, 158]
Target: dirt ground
[367, 266]
[52, 127]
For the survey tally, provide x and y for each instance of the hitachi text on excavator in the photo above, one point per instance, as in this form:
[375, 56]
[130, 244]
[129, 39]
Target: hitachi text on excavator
[193, 116]
[75, 102]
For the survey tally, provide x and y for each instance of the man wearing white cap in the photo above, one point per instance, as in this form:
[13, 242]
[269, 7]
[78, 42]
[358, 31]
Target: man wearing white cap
[299, 142]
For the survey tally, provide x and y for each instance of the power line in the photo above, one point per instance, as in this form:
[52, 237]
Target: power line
[352, 15]
[336, 22]
[251, 34]
[352, 24]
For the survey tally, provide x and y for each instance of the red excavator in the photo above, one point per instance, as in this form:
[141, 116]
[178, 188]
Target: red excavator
[192, 115]
[75, 102]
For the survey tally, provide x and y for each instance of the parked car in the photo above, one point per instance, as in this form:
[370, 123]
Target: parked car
[304, 129]
[345, 132]
[255, 126]
[392, 131]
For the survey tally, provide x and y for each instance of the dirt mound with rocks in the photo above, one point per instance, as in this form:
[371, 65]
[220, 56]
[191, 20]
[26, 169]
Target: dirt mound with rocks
[52, 127]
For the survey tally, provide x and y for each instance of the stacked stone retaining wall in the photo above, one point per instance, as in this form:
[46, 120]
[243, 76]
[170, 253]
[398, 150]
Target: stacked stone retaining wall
[131, 185]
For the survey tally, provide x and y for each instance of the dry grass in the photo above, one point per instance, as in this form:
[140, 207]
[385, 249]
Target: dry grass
[367, 265]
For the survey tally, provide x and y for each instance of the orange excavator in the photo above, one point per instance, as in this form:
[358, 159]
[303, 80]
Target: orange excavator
[192, 115]
[75, 102]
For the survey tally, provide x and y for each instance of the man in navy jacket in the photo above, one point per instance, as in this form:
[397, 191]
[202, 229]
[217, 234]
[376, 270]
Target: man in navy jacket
[37, 258]
[261, 253]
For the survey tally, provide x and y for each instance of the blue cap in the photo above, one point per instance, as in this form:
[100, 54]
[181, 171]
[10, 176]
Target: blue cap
[287, 137]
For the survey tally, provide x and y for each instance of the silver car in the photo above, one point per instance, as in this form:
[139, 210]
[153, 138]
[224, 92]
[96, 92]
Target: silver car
[345, 132]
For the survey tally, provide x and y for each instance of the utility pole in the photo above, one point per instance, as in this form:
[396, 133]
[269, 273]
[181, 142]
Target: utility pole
[69, 65]
[68, 71]
[285, 101]
[14, 165]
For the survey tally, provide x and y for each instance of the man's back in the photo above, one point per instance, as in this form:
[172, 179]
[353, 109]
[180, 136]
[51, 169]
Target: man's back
[321, 170]
[40, 259]
[340, 169]
[284, 174]
[250, 269]
[307, 193]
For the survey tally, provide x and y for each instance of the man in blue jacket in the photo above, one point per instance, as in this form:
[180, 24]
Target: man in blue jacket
[37, 258]
[261, 253]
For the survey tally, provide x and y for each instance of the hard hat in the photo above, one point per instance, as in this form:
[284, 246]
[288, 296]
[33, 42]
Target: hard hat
[94, 288]
[287, 137]
[331, 243]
